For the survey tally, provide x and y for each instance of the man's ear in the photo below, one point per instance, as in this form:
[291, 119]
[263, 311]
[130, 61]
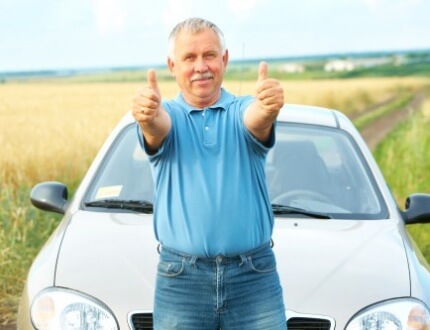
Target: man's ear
[171, 65]
[225, 59]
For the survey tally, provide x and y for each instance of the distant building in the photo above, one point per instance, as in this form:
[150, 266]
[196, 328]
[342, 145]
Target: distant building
[292, 68]
[339, 65]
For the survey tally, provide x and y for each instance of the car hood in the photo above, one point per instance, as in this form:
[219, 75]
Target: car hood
[337, 267]
[328, 267]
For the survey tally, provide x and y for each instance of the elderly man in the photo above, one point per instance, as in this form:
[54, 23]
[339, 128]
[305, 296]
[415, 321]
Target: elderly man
[212, 217]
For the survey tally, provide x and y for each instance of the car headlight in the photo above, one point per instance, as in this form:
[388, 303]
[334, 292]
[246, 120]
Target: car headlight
[396, 314]
[59, 308]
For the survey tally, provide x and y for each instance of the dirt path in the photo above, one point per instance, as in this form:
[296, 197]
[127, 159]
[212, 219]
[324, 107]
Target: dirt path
[376, 131]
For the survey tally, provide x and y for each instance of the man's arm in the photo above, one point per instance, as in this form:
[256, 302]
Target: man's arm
[261, 114]
[152, 118]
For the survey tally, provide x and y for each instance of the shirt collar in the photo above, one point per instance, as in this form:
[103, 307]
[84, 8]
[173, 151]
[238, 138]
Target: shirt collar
[223, 102]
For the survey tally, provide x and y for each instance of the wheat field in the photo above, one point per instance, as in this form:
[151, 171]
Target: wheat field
[52, 131]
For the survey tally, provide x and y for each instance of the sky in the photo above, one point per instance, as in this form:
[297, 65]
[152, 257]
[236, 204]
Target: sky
[93, 34]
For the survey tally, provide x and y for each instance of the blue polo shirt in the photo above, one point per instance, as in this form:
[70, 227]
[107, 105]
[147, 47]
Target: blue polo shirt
[210, 187]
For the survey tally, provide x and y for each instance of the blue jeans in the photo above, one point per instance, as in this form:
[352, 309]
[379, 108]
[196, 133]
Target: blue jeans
[241, 292]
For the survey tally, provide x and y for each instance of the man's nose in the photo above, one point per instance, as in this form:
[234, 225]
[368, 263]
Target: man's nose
[201, 65]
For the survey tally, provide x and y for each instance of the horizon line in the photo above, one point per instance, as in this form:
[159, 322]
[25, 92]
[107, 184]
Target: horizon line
[23, 72]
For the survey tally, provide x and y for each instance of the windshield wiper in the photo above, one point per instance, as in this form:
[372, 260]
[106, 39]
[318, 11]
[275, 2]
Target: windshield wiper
[285, 209]
[133, 205]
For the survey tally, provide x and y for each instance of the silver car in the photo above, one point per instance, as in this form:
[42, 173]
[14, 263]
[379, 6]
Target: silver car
[345, 258]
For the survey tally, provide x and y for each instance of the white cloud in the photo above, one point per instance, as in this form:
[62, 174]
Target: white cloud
[244, 9]
[110, 16]
[239, 6]
[383, 5]
[177, 10]
[372, 3]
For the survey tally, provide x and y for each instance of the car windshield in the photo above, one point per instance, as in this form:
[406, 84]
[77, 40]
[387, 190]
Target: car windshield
[312, 171]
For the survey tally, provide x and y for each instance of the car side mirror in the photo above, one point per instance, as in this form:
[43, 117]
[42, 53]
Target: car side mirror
[417, 209]
[50, 196]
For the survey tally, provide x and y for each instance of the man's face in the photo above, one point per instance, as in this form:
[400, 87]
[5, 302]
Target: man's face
[199, 67]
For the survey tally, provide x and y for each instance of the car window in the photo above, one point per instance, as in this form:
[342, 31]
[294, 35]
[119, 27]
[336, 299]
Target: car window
[310, 167]
[320, 169]
[125, 173]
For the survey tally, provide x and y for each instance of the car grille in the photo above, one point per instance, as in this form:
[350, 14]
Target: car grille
[143, 321]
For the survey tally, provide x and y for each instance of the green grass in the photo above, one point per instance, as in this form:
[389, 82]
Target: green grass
[404, 158]
[23, 230]
[421, 69]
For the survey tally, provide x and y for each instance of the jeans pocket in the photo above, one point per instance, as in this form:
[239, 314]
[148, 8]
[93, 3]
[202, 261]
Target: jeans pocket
[263, 263]
[170, 268]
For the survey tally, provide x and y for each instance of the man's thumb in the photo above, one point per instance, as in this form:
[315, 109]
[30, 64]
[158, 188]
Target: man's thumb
[262, 71]
[152, 79]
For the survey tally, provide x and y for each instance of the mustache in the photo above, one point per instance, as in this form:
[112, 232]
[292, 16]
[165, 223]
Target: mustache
[204, 75]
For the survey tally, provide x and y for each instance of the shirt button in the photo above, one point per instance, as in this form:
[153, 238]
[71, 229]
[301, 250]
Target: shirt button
[207, 128]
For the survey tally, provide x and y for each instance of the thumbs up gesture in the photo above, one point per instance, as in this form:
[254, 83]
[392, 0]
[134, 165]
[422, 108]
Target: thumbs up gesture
[261, 114]
[269, 92]
[147, 101]
[153, 119]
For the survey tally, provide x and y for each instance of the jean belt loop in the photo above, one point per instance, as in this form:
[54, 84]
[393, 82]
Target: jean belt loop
[243, 260]
[193, 261]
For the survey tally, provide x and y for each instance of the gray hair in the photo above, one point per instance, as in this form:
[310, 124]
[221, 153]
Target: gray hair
[193, 25]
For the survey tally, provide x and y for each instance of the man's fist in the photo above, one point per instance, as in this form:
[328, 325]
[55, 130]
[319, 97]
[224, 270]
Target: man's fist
[269, 92]
[147, 102]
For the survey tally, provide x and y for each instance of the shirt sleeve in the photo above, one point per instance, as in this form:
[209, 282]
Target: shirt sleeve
[151, 155]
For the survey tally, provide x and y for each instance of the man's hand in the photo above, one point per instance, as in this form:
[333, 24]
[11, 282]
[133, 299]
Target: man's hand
[153, 119]
[261, 114]
[269, 92]
[147, 102]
